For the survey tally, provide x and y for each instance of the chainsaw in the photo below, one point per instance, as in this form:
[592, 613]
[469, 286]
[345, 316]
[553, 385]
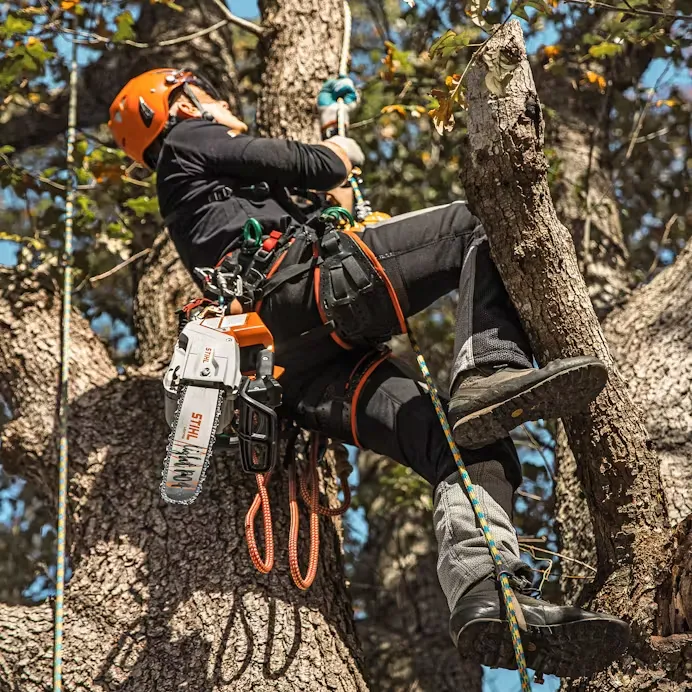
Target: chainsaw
[221, 382]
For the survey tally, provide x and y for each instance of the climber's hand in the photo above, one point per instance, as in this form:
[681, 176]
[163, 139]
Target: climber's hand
[350, 147]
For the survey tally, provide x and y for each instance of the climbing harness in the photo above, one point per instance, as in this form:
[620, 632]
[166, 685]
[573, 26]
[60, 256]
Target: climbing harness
[63, 416]
[222, 378]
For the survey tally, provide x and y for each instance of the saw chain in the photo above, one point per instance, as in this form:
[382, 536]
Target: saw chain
[221, 377]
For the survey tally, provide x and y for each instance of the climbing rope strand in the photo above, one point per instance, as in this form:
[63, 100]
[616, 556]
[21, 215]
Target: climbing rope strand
[63, 416]
[346, 43]
[320, 509]
[294, 565]
[514, 614]
[261, 500]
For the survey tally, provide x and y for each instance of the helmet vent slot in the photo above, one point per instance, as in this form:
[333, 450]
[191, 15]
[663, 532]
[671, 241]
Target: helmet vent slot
[146, 112]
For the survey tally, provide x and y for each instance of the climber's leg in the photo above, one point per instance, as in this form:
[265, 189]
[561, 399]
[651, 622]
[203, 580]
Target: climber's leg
[494, 386]
[394, 416]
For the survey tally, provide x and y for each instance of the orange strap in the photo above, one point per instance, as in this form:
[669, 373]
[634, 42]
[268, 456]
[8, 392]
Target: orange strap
[383, 275]
[359, 389]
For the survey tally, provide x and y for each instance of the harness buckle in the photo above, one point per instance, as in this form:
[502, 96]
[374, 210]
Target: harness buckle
[221, 194]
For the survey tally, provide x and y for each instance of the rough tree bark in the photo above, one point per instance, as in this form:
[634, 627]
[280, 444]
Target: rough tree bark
[306, 39]
[649, 340]
[648, 337]
[505, 180]
[162, 597]
[396, 581]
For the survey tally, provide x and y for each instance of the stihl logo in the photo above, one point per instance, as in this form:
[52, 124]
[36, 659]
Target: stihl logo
[208, 352]
[195, 425]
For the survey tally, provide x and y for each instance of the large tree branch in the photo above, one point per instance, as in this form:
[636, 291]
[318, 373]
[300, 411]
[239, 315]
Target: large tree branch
[505, 180]
[30, 348]
[650, 341]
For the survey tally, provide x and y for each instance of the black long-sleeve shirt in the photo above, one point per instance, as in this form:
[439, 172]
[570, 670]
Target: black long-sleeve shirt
[200, 157]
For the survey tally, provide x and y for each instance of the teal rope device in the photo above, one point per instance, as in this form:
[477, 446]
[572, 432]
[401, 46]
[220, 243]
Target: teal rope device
[65, 374]
[503, 575]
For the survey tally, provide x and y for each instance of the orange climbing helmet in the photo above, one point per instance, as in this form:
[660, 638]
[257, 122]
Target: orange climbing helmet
[141, 110]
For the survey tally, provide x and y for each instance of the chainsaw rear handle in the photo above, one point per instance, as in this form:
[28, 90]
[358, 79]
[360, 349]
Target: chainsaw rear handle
[258, 424]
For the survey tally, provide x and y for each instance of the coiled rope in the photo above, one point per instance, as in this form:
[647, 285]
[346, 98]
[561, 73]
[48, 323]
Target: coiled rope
[514, 614]
[63, 415]
[309, 489]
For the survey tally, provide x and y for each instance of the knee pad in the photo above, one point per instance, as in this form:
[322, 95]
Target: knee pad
[354, 292]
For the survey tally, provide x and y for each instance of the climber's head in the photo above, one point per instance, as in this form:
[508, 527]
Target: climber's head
[152, 102]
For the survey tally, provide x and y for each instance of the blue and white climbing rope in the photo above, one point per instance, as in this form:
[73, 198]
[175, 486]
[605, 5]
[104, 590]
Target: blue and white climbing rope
[507, 593]
[63, 416]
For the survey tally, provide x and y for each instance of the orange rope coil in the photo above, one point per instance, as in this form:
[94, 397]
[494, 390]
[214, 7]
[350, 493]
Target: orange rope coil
[313, 559]
[309, 489]
[261, 500]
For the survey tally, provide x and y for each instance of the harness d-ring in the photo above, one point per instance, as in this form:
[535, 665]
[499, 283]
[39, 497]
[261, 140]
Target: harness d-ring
[252, 233]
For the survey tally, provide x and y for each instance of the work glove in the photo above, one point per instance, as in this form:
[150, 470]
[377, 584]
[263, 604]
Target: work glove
[328, 101]
[351, 147]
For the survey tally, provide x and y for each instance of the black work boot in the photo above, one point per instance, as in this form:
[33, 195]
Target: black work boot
[559, 640]
[488, 402]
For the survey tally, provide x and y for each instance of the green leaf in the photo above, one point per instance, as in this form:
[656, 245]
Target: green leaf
[439, 48]
[143, 205]
[591, 39]
[541, 5]
[605, 50]
[124, 32]
[7, 149]
[15, 25]
[520, 11]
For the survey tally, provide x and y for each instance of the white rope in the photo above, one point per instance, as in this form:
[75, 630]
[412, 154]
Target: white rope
[65, 374]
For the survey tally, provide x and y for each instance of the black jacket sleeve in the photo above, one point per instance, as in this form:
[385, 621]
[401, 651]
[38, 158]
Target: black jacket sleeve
[210, 147]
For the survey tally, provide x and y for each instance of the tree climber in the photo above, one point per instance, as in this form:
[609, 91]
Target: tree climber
[212, 177]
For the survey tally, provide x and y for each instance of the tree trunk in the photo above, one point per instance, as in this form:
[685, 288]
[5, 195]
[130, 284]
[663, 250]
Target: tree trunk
[306, 38]
[506, 183]
[163, 597]
[404, 625]
[649, 339]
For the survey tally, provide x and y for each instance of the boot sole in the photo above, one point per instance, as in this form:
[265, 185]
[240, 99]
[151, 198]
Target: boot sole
[570, 650]
[556, 396]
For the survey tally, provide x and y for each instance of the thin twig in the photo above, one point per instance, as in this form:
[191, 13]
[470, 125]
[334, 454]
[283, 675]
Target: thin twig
[118, 267]
[664, 240]
[633, 11]
[239, 21]
[363, 123]
[652, 135]
[523, 493]
[636, 128]
[642, 113]
[97, 38]
[530, 549]
[539, 449]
